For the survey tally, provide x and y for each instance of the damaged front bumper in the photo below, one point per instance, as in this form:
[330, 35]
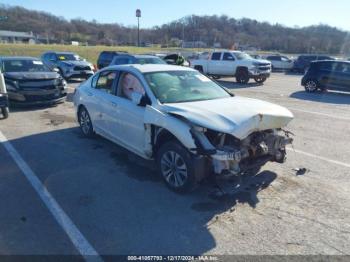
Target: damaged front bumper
[233, 157]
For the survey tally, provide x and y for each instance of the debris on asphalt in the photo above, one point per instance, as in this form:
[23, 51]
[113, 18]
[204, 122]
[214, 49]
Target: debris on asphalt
[301, 171]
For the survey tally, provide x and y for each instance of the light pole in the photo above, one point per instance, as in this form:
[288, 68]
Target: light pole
[138, 15]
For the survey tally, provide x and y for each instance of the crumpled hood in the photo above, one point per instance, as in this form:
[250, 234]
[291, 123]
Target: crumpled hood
[75, 63]
[31, 75]
[238, 116]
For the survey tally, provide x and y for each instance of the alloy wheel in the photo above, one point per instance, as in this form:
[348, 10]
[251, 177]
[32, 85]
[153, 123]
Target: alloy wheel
[85, 122]
[311, 86]
[174, 169]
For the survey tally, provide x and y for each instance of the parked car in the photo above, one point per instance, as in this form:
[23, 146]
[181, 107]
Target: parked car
[233, 63]
[279, 62]
[105, 58]
[323, 75]
[136, 59]
[70, 65]
[28, 81]
[302, 63]
[189, 124]
[4, 103]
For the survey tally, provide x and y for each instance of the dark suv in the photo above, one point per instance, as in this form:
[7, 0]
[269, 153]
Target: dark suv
[327, 75]
[303, 62]
[106, 57]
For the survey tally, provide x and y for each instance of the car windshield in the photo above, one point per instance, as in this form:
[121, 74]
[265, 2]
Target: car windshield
[68, 57]
[183, 86]
[24, 65]
[149, 60]
[242, 56]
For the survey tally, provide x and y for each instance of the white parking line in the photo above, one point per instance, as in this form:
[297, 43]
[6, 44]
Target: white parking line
[77, 238]
[320, 114]
[319, 157]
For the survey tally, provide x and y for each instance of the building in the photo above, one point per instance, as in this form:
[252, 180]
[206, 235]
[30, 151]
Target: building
[17, 37]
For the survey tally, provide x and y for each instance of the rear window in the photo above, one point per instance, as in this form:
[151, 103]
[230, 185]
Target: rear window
[107, 55]
[326, 66]
[309, 58]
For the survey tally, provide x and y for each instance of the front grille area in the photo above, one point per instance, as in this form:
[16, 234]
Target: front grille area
[81, 68]
[38, 84]
[37, 98]
[264, 66]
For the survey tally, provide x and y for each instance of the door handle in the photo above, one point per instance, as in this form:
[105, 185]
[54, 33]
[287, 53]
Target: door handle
[89, 94]
[114, 104]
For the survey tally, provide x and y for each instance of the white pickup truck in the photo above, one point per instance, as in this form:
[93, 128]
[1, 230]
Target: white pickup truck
[233, 63]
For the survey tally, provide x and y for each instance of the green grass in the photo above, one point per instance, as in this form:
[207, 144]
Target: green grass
[89, 52]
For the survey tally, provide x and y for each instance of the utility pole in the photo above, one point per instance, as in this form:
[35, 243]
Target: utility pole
[138, 15]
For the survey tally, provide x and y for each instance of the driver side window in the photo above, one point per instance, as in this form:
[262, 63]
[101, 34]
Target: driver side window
[228, 57]
[129, 83]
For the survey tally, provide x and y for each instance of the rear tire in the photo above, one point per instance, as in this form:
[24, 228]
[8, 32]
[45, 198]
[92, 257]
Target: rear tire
[5, 112]
[176, 166]
[311, 86]
[85, 122]
[242, 76]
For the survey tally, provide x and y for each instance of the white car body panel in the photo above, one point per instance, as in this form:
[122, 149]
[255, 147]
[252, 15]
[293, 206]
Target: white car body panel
[128, 125]
[238, 116]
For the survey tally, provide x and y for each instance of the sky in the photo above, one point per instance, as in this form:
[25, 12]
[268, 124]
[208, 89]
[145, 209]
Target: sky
[157, 12]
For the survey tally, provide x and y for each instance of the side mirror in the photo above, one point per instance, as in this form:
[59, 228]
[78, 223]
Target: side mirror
[136, 98]
[55, 69]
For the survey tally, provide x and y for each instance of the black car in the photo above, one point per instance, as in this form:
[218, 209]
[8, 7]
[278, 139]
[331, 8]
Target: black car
[303, 62]
[327, 75]
[28, 81]
[106, 57]
[4, 104]
[136, 59]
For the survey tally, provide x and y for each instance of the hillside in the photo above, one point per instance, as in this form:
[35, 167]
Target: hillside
[209, 29]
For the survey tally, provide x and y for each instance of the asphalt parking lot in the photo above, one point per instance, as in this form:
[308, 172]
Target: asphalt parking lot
[117, 205]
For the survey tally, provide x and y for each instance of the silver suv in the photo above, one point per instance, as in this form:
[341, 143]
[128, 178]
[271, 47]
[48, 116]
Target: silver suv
[70, 65]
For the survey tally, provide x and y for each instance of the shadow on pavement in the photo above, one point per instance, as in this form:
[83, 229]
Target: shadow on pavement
[235, 85]
[118, 201]
[328, 97]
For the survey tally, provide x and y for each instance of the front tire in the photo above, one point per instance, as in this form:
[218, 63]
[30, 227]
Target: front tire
[260, 79]
[176, 167]
[311, 86]
[5, 112]
[242, 76]
[85, 122]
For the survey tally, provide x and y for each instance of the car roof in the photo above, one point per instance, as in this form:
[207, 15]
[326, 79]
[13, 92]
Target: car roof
[145, 56]
[18, 58]
[149, 68]
[136, 56]
[332, 61]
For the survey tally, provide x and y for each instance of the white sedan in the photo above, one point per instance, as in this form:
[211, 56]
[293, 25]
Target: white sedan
[188, 124]
[280, 62]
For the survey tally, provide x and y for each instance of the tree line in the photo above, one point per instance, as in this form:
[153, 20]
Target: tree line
[227, 31]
